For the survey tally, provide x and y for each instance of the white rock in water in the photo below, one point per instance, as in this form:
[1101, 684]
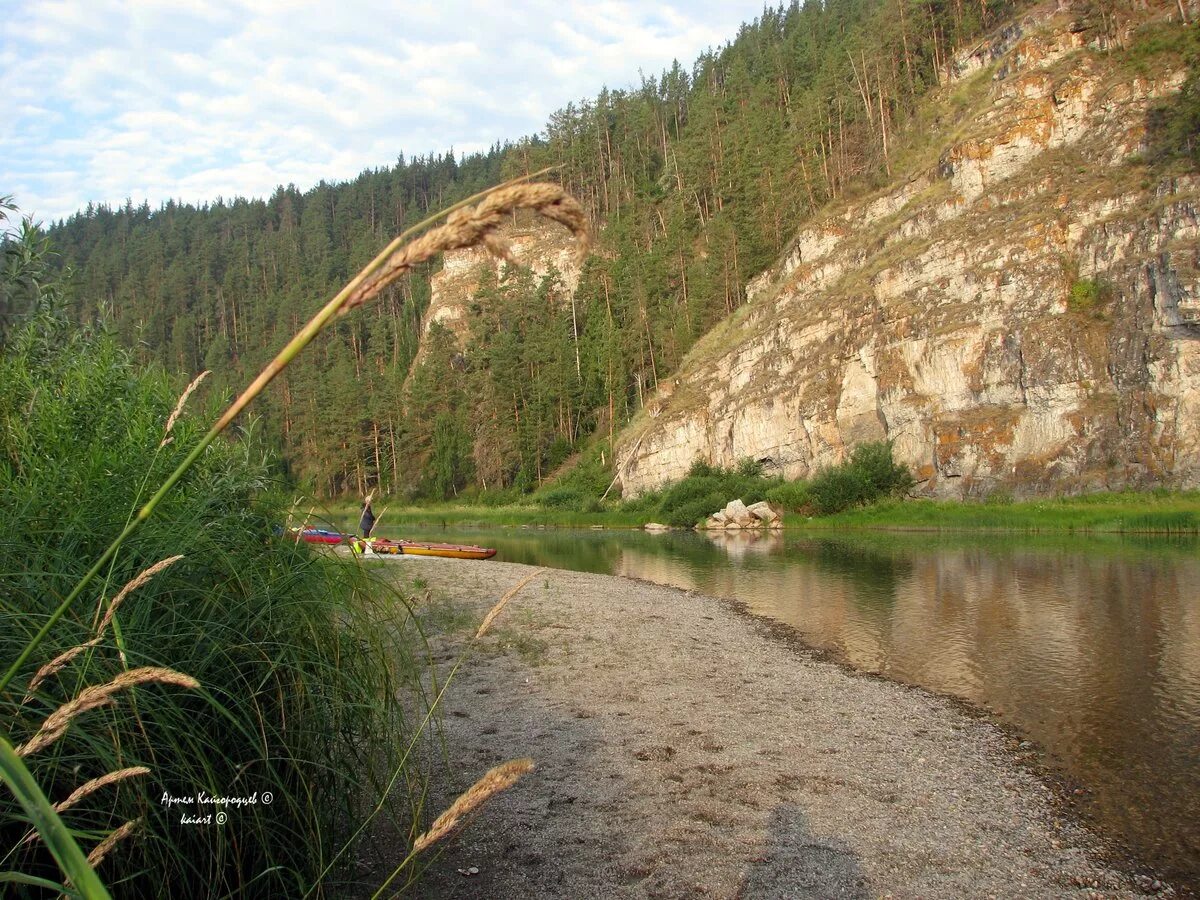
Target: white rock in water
[656, 526]
[737, 513]
[764, 512]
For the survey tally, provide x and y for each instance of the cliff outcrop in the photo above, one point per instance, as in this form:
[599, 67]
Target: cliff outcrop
[542, 246]
[1020, 313]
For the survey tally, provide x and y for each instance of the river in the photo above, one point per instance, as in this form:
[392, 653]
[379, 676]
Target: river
[1088, 647]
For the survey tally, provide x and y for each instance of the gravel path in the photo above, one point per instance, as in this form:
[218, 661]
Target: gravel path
[682, 750]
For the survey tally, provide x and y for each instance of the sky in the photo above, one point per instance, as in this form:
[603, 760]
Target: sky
[104, 100]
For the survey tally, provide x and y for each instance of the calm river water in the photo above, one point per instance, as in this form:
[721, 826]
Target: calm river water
[1090, 647]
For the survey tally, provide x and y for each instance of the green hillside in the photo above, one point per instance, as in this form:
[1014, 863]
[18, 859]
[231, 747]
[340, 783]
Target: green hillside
[697, 177]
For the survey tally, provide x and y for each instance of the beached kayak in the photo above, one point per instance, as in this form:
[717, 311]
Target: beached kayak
[318, 536]
[420, 548]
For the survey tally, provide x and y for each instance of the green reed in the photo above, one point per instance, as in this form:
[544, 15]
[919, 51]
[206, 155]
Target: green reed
[307, 668]
[298, 668]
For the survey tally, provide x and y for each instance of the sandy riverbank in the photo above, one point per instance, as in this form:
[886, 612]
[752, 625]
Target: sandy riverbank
[682, 750]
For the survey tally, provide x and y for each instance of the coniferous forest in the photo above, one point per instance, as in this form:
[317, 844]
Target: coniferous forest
[695, 178]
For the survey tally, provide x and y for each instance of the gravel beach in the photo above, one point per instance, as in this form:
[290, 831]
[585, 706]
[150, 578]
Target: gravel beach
[683, 748]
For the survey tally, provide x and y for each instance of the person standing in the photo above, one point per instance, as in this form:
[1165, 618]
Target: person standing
[366, 522]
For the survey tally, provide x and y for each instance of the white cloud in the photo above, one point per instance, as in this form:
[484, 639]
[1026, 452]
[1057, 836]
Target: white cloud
[158, 99]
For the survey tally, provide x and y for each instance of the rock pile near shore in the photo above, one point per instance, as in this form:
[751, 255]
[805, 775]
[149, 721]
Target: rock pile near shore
[737, 514]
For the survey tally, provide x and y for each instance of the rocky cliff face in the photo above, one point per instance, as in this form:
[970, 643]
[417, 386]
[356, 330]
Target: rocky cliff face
[1023, 314]
[541, 245]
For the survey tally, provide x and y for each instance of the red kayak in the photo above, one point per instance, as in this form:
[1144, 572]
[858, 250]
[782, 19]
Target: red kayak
[318, 536]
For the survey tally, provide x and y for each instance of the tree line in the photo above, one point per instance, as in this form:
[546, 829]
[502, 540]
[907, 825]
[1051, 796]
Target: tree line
[698, 177]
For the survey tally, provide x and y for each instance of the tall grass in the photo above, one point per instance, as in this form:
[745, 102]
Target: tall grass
[300, 674]
[302, 661]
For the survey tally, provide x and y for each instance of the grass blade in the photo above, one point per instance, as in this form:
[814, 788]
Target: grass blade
[34, 881]
[54, 833]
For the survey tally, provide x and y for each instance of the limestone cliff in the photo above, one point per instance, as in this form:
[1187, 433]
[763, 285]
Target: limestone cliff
[537, 243]
[1021, 313]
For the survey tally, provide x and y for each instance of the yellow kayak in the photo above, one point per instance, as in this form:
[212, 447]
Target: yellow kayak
[419, 548]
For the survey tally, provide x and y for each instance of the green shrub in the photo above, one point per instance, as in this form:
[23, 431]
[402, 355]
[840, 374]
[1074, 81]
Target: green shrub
[693, 511]
[700, 469]
[561, 498]
[503, 497]
[791, 495]
[838, 488]
[1088, 295]
[868, 475]
[642, 503]
[749, 468]
[707, 489]
[305, 677]
[882, 474]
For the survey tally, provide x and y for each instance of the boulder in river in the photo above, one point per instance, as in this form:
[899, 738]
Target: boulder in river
[736, 515]
[737, 512]
[765, 512]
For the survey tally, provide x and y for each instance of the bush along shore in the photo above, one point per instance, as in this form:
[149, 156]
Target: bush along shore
[868, 491]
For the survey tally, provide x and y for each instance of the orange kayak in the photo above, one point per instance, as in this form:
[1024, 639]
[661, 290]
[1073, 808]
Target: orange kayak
[419, 548]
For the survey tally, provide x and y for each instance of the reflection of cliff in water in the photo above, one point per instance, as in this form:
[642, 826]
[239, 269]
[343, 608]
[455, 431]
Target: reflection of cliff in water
[782, 579]
[1096, 655]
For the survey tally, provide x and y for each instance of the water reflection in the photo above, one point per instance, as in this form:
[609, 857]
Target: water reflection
[1089, 646]
[1093, 651]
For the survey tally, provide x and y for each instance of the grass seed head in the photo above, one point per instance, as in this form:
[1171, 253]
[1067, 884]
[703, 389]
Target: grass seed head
[103, 848]
[472, 226]
[55, 665]
[503, 601]
[183, 398]
[90, 787]
[496, 780]
[93, 697]
[136, 582]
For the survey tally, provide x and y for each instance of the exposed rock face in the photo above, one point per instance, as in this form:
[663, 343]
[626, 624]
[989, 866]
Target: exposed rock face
[940, 314]
[539, 244]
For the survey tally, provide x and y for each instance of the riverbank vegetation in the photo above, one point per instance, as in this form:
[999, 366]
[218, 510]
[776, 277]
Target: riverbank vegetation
[868, 491]
[1134, 512]
[579, 499]
[305, 682]
[1125, 512]
[299, 688]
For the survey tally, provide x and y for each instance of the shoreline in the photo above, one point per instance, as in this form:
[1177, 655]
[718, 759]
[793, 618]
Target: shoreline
[1020, 750]
[686, 746]
[1174, 513]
